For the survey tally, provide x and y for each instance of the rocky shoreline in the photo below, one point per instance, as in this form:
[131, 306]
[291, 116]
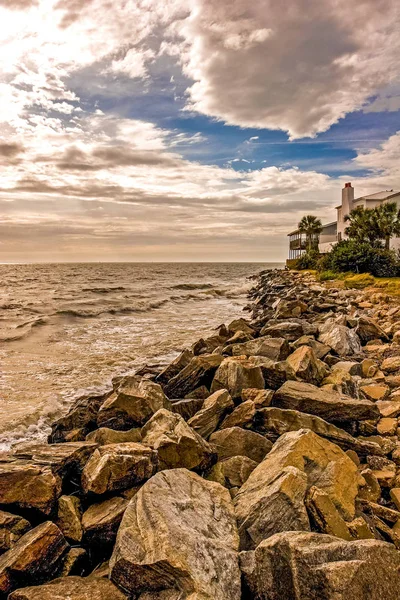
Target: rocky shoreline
[264, 463]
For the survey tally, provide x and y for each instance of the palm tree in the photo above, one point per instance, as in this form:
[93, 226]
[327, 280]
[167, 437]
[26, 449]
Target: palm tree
[312, 227]
[387, 222]
[362, 225]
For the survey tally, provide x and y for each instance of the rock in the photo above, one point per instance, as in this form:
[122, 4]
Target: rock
[200, 393]
[134, 402]
[320, 350]
[330, 406]
[388, 408]
[324, 516]
[71, 588]
[29, 486]
[351, 367]
[340, 381]
[12, 527]
[286, 329]
[306, 366]
[367, 329]
[240, 325]
[178, 534]
[395, 497]
[69, 518]
[275, 505]
[306, 566]
[212, 414]
[391, 365]
[278, 421]
[34, 558]
[324, 463]
[74, 563]
[200, 371]
[341, 339]
[273, 348]
[232, 472]
[387, 426]
[375, 391]
[177, 444]
[101, 521]
[81, 419]
[66, 460]
[174, 367]
[261, 398]
[235, 374]
[236, 441]
[104, 436]
[189, 407]
[274, 373]
[242, 416]
[117, 467]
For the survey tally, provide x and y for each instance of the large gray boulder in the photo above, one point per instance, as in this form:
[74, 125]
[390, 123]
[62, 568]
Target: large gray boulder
[273, 348]
[311, 566]
[178, 539]
[331, 406]
[177, 444]
[289, 330]
[235, 441]
[306, 366]
[118, 467]
[341, 339]
[236, 374]
[200, 371]
[134, 402]
[71, 588]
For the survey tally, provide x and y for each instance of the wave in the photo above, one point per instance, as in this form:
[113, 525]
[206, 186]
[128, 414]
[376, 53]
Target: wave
[104, 290]
[192, 286]
[24, 329]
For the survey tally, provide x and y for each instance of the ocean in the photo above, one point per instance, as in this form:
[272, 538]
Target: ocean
[68, 329]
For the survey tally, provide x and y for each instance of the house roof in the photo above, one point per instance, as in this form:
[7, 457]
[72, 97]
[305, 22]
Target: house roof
[323, 227]
[384, 195]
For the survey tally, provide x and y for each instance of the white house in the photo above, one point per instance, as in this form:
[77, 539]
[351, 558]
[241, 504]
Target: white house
[335, 232]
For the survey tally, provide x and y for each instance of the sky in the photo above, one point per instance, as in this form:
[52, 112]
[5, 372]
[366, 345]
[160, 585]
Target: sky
[189, 130]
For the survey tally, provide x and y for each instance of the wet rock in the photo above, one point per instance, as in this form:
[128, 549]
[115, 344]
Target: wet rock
[286, 329]
[29, 486]
[66, 460]
[277, 421]
[71, 588]
[177, 444]
[306, 366]
[69, 516]
[273, 348]
[118, 467]
[36, 557]
[100, 523]
[79, 421]
[178, 535]
[174, 367]
[200, 371]
[12, 527]
[235, 374]
[232, 472]
[240, 325]
[341, 339]
[104, 436]
[331, 406]
[134, 402]
[189, 407]
[297, 566]
[207, 420]
[236, 441]
[74, 563]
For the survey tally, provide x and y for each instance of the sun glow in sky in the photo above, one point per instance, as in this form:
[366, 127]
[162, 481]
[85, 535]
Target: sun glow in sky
[189, 129]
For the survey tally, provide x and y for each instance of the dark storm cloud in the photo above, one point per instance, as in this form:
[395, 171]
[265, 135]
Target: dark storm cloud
[10, 150]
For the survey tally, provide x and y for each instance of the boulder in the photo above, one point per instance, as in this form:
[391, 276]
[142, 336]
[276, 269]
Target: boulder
[200, 371]
[274, 373]
[174, 367]
[242, 416]
[289, 330]
[69, 518]
[188, 407]
[277, 505]
[66, 460]
[232, 472]
[12, 527]
[306, 366]
[79, 421]
[306, 566]
[240, 325]
[118, 467]
[323, 463]
[177, 444]
[235, 374]
[320, 350]
[340, 380]
[100, 523]
[30, 486]
[261, 398]
[273, 348]
[367, 329]
[324, 516]
[71, 588]
[178, 537]
[34, 558]
[277, 421]
[329, 405]
[134, 402]
[342, 340]
[212, 414]
[391, 364]
[104, 436]
[236, 441]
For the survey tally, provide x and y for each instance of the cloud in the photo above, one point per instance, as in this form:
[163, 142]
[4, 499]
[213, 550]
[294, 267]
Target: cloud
[300, 69]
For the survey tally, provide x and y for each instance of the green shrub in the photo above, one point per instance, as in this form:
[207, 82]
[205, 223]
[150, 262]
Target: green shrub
[359, 282]
[308, 260]
[360, 257]
[327, 275]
